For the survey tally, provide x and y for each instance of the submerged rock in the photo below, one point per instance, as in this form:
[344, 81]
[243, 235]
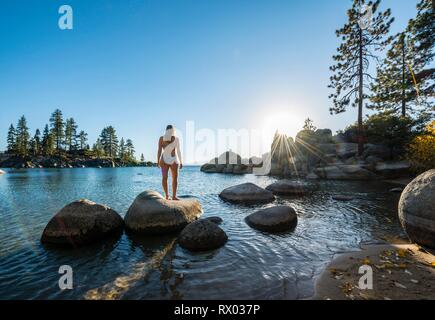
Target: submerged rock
[417, 209]
[150, 213]
[341, 197]
[247, 193]
[202, 235]
[217, 220]
[274, 219]
[82, 222]
[287, 187]
[396, 190]
[2, 172]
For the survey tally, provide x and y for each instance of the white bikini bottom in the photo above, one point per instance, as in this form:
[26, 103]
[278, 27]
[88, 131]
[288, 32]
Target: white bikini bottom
[169, 160]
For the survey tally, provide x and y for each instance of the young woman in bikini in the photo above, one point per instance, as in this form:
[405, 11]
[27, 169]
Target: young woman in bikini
[169, 157]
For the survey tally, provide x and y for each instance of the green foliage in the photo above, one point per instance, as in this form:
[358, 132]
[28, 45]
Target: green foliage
[11, 139]
[309, 125]
[71, 134]
[421, 151]
[109, 141]
[22, 137]
[57, 128]
[389, 129]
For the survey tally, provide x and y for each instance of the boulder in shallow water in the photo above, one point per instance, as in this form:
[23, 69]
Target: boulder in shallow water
[287, 187]
[274, 219]
[202, 235]
[2, 172]
[82, 222]
[417, 209]
[247, 193]
[396, 190]
[151, 213]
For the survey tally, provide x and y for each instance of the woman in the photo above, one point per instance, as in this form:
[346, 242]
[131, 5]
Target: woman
[169, 159]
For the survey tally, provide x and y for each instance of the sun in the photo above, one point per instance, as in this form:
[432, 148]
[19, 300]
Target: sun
[286, 123]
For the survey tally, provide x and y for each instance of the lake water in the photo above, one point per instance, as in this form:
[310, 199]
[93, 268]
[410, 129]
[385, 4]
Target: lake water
[252, 265]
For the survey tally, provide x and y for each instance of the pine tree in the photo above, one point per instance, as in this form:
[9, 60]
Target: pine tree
[350, 73]
[122, 149]
[83, 138]
[130, 149]
[142, 158]
[11, 139]
[109, 141]
[309, 125]
[98, 148]
[23, 137]
[405, 82]
[47, 142]
[57, 128]
[36, 143]
[71, 134]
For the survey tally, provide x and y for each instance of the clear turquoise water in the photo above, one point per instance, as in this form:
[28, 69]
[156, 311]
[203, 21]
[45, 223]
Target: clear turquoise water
[252, 265]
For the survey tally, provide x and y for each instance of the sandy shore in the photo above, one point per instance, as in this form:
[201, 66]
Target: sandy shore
[400, 271]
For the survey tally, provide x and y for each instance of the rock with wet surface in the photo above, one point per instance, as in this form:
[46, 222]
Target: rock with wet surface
[202, 235]
[396, 190]
[274, 219]
[151, 213]
[247, 193]
[217, 220]
[80, 223]
[287, 187]
[2, 172]
[417, 209]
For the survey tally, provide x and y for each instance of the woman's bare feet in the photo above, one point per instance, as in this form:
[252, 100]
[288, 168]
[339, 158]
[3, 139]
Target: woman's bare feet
[168, 198]
[175, 198]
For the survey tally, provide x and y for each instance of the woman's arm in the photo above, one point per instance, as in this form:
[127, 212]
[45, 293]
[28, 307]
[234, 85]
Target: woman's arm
[179, 153]
[159, 152]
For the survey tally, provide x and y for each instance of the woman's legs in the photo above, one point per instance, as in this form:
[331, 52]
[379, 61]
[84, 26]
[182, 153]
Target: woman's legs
[165, 170]
[174, 173]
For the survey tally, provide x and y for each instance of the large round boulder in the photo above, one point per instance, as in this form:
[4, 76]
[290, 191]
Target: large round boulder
[150, 213]
[2, 172]
[274, 219]
[247, 193]
[202, 235]
[417, 209]
[287, 187]
[80, 223]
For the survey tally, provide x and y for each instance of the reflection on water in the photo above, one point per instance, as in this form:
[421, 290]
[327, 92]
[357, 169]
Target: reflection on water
[252, 265]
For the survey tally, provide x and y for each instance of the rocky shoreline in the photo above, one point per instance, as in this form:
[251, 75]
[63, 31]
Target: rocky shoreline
[18, 162]
[318, 155]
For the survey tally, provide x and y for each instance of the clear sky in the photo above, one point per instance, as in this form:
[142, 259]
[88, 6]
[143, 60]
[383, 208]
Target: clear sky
[141, 64]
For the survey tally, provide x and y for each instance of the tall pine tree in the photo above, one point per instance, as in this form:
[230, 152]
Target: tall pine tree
[23, 137]
[71, 134]
[57, 128]
[109, 141]
[359, 42]
[11, 140]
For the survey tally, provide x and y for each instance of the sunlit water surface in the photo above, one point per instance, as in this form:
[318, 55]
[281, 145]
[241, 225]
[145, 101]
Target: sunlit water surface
[252, 265]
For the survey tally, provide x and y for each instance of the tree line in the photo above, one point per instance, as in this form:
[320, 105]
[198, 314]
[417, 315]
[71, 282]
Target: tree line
[61, 137]
[402, 86]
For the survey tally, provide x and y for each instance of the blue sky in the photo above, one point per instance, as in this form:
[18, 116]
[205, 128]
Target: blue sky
[139, 65]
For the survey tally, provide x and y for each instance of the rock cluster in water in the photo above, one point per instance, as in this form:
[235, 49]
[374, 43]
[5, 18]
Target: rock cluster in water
[417, 209]
[84, 222]
[317, 155]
